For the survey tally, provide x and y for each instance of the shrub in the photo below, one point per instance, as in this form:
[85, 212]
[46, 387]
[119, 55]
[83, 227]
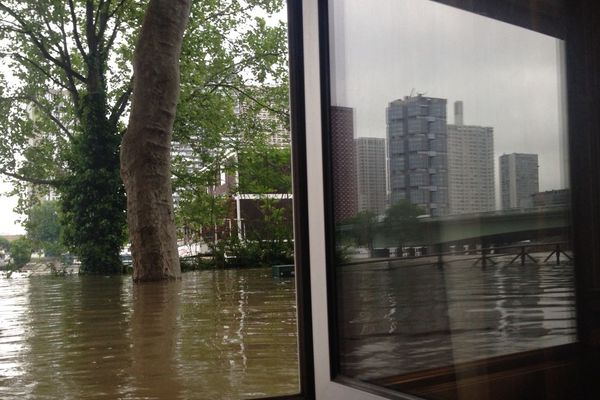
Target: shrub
[20, 252]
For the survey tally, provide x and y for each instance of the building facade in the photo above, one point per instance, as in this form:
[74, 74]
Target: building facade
[519, 180]
[417, 152]
[343, 169]
[552, 198]
[371, 177]
[471, 184]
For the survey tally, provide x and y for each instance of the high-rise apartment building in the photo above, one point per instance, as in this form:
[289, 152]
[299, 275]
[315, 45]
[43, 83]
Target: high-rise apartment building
[342, 163]
[371, 177]
[519, 179]
[470, 166]
[417, 152]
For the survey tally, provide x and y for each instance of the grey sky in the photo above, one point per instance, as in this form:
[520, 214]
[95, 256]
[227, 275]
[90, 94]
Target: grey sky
[507, 77]
[7, 216]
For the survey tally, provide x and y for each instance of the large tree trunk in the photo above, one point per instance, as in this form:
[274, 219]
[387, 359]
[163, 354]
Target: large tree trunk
[146, 147]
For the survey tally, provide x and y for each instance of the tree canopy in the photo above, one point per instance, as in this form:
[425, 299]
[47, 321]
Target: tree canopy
[20, 252]
[401, 223]
[67, 89]
[44, 229]
[363, 228]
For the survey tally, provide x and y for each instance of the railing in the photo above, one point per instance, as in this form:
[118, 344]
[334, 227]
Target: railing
[484, 255]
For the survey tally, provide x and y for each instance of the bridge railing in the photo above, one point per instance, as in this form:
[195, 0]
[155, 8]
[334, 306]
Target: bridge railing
[521, 252]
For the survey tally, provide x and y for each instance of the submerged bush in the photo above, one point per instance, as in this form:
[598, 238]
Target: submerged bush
[20, 252]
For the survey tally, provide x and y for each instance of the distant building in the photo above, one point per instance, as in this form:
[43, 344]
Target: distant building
[519, 179]
[279, 135]
[192, 161]
[371, 177]
[417, 152]
[470, 166]
[59, 100]
[548, 198]
[343, 165]
[245, 214]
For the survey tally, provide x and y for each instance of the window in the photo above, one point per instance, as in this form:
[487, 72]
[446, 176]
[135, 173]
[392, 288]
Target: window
[417, 143]
[417, 161]
[419, 178]
[375, 366]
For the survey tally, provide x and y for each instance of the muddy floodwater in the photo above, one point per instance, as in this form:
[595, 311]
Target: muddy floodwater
[397, 318]
[233, 334]
[213, 335]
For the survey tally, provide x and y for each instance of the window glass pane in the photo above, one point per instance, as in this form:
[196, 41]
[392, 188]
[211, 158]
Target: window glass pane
[457, 252]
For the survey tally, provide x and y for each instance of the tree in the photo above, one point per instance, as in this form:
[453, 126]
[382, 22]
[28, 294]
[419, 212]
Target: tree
[207, 213]
[264, 169]
[401, 222]
[228, 107]
[20, 252]
[363, 228]
[44, 229]
[4, 244]
[71, 81]
[62, 114]
[146, 147]
[234, 95]
[201, 215]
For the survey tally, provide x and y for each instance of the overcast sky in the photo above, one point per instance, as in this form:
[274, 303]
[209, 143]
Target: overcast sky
[508, 77]
[7, 217]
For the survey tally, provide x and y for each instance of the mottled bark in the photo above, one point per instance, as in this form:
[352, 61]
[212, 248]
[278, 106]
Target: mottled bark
[146, 147]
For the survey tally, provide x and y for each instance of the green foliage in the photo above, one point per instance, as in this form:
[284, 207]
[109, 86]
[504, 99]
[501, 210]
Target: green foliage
[265, 169]
[93, 199]
[234, 90]
[229, 109]
[4, 244]
[401, 222]
[203, 214]
[62, 119]
[362, 229]
[44, 229]
[20, 252]
[268, 240]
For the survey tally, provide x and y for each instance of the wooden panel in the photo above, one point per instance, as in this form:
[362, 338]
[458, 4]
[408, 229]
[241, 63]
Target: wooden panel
[544, 16]
[550, 373]
[583, 66]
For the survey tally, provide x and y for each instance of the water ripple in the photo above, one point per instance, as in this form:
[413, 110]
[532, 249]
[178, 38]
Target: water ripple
[213, 335]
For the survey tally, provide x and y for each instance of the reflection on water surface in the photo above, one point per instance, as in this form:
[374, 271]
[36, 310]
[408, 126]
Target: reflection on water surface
[213, 335]
[397, 318]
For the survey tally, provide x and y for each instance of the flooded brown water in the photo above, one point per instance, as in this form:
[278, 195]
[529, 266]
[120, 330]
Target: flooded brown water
[397, 318]
[213, 335]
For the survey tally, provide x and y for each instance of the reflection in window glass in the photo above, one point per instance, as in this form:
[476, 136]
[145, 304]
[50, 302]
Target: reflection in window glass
[463, 256]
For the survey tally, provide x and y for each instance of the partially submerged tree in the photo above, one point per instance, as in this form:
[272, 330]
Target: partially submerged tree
[401, 223]
[363, 228]
[234, 91]
[69, 87]
[146, 147]
[20, 252]
[70, 84]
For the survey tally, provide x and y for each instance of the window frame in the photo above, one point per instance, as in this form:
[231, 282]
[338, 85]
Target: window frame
[309, 74]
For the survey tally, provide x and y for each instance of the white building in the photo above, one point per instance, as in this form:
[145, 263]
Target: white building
[470, 166]
[370, 174]
[519, 180]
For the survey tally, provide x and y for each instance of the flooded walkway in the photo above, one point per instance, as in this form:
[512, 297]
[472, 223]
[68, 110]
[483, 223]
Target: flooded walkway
[213, 335]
